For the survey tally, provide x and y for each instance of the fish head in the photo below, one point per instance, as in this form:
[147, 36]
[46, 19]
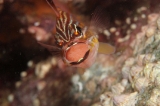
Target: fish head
[81, 53]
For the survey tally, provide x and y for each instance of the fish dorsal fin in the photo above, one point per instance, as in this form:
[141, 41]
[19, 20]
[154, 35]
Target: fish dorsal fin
[52, 5]
[105, 48]
[57, 5]
[54, 50]
[99, 18]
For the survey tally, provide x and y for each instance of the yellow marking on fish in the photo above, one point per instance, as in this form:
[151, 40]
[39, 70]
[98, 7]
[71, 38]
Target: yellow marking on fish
[93, 42]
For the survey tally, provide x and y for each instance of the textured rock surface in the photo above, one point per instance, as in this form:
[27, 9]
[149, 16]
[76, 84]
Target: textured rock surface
[130, 77]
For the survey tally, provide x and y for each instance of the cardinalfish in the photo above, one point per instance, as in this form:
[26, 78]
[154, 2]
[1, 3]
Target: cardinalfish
[75, 43]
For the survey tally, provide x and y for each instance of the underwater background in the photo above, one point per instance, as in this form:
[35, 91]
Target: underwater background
[31, 76]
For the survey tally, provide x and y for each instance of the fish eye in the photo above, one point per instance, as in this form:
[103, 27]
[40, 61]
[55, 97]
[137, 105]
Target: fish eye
[79, 29]
[77, 32]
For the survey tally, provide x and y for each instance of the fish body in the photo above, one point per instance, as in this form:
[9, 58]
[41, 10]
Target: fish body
[77, 44]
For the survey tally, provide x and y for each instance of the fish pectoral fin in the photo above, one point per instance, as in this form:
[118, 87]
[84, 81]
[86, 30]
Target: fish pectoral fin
[105, 48]
[53, 49]
[99, 19]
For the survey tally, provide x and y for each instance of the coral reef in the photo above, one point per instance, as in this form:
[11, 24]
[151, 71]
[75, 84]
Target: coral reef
[130, 77]
[41, 87]
[133, 77]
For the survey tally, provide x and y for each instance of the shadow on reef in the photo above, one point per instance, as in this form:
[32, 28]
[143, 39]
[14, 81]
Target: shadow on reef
[16, 48]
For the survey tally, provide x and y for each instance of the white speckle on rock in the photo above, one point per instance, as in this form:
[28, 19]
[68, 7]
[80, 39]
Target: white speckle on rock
[143, 16]
[117, 33]
[133, 26]
[106, 32]
[41, 85]
[23, 74]
[128, 20]
[124, 82]
[86, 75]
[53, 61]
[75, 79]
[112, 29]
[37, 23]
[80, 86]
[135, 19]
[42, 69]
[17, 84]
[30, 63]
[10, 97]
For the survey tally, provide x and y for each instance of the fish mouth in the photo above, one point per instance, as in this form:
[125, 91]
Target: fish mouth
[76, 53]
[82, 59]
